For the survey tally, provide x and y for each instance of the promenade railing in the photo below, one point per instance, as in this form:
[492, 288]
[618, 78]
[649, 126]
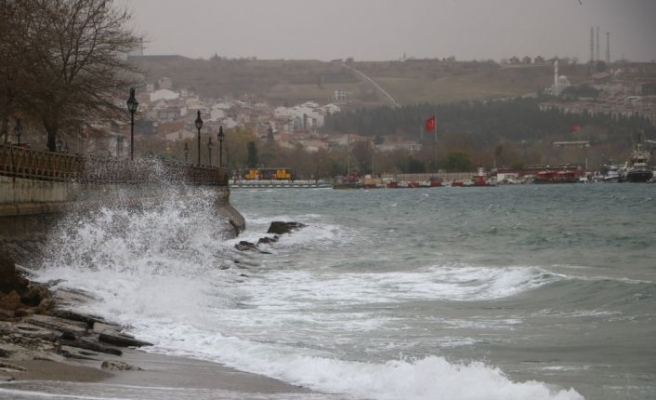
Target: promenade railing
[19, 162]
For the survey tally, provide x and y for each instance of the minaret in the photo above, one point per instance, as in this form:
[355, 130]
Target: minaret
[556, 83]
[607, 47]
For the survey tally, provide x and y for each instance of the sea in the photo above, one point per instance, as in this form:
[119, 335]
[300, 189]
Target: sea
[526, 292]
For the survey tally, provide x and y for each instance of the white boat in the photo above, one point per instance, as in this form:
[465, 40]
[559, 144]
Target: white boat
[610, 172]
[637, 168]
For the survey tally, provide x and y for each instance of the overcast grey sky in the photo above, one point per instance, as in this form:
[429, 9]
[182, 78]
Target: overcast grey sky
[386, 29]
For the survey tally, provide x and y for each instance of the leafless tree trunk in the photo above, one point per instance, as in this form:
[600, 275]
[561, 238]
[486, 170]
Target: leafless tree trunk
[68, 61]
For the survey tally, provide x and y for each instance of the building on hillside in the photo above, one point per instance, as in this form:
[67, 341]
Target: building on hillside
[174, 131]
[163, 94]
[648, 89]
[165, 83]
[229, 123]
[167, 113]
[217, 113]
[330, 109]
[312, 145]
[104, 141]
[284, 140]
[571, 144]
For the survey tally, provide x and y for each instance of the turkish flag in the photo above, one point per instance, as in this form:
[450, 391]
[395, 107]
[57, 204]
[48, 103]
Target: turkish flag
[575, 128]
[430, 123]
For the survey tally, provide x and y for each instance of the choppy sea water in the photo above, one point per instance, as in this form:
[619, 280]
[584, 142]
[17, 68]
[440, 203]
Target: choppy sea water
[513, 292]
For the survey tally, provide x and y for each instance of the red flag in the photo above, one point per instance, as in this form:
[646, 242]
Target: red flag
[430, 123]
[574, 128]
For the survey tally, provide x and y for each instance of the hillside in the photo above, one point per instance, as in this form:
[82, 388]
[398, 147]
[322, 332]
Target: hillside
[410, 82]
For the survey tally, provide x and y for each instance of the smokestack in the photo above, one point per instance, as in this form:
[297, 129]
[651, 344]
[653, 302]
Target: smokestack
[607, 47]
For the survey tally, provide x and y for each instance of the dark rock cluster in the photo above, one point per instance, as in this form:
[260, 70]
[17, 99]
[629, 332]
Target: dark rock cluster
[34, 325]
[277, 228]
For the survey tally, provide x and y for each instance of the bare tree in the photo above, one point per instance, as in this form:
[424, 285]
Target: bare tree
[14, 19]
[69, 58]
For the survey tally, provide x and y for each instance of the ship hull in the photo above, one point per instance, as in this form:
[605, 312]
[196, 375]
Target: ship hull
[639, 176]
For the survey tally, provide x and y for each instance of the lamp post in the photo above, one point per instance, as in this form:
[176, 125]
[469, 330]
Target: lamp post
[186, 151]
[18, 130]
[199, 125]
[60, 145]
[209, 149]
[221, 137]
[133, 104]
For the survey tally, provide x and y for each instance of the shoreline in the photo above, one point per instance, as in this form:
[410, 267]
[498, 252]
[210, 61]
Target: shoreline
[42, 340]
[155, 371]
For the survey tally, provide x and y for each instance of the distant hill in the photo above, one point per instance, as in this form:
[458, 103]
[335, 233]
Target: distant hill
[289, 82]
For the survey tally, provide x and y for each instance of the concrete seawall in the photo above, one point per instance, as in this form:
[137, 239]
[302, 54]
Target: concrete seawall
[19, 196]
[30, 208]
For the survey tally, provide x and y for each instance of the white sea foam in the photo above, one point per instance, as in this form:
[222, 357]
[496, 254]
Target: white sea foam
[428, 378]
[157, 272]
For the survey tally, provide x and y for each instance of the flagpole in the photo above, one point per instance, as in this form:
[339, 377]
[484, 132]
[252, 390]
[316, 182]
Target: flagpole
[435, 142]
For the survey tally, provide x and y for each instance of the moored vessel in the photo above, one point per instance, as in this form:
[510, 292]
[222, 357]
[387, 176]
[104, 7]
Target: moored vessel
[556, 176]
[610, 172]
[637, 168]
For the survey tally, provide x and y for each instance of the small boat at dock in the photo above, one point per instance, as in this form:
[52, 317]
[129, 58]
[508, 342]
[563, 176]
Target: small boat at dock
[556, 176]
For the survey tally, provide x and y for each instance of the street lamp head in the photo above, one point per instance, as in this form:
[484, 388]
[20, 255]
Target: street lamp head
[221, 135]
[209, 143]
[60, 144]
[186, 148]
[199, 121]
[133, 104]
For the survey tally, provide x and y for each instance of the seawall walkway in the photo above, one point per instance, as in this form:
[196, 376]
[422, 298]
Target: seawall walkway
[37, 186]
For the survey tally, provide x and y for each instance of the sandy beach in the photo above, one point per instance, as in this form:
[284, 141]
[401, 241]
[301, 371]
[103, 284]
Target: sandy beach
[49, 352]
[178, 377]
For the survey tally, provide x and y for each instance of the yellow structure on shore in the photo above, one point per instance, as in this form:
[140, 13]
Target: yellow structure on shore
[280, 174]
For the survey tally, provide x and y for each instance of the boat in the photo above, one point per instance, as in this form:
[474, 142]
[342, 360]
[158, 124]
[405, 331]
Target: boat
[351, 181]
[433, 182]
[556, 176]
[610, 172]
[481, 179]
[637, 167]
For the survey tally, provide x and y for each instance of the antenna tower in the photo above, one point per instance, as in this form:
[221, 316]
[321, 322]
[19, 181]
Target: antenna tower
[598, 55]
[607, 47]
[591, 45]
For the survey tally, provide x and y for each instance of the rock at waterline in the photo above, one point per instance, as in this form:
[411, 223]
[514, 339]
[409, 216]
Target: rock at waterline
[268, 240]
[112, 365]
[282, 227]
[121, 340]
[247, 246]
[9, 278]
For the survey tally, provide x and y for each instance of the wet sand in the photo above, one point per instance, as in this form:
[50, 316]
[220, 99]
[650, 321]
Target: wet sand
[157, 372]
[178, 372]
